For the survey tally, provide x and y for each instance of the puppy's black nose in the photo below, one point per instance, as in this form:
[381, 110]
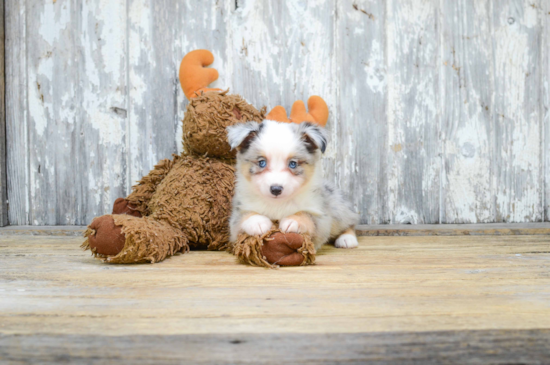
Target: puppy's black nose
[276, 189]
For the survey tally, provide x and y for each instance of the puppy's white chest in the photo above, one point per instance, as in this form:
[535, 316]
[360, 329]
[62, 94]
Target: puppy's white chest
[275, 210]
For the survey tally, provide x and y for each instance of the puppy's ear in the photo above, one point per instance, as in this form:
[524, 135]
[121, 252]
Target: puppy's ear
[313, 136]
[241, 135]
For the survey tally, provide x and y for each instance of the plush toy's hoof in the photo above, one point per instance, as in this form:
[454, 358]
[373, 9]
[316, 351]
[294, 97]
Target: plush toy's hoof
[106, 238]
[122, 206]
[275, 249]
[282, 249]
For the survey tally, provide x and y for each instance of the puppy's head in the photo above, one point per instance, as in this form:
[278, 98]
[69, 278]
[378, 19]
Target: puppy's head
[277, 159]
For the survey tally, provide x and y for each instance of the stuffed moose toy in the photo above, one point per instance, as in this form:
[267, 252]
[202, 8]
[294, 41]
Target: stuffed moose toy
[185, 203]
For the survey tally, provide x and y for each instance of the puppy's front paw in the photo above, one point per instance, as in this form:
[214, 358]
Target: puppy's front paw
[289, 225]
[257, 225]
[297, 223]
[346, 241]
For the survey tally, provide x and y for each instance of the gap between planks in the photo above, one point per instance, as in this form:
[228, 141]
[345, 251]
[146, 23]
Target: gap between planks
[504, 229]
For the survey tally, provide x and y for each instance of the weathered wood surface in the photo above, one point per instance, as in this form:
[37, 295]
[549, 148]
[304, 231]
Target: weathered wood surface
[422, 348]
[545, 101]
[3, 158]
[387, 284]
[439, 109]
[500, 229]
[466, 299]
[466, 94]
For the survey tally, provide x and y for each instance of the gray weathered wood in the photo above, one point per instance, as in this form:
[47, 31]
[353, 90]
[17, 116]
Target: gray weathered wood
[415, 300]
[545, 102]
[16, 112]
[3, 158]
[516, 146]
[414, 161]
[466, 112]
[280, 52]
[484, 229]
[160, 33]
[100, 118]
[438, 109]
[152, 105]
[52, 107]
[359, 140]
[442, 347]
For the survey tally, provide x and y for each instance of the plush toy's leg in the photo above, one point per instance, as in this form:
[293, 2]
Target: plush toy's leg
[275, 249]
[142, 192]
[122, 206]
[124, 239]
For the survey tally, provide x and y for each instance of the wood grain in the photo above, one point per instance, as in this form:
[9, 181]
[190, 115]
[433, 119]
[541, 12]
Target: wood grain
[3, 157]
[358, 153]
[438, 109]
[280, 52]
[483, 297]
[517, 163]
[500, 229]
[545, 102]
[414, 162]
[447, 347]
[16, 112]
[467, 110]
[387, 284]
[101, 122]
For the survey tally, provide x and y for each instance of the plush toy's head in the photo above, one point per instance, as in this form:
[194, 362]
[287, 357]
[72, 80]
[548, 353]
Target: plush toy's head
[210, 111]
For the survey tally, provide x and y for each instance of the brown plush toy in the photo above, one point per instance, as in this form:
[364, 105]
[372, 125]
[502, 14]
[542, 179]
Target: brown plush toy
[185, 203]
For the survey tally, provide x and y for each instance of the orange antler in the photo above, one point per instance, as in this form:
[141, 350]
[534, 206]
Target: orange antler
[194, 77]
[278, 114]
[318, 112]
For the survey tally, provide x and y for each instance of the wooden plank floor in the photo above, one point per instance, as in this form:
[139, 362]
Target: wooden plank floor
[465, 299]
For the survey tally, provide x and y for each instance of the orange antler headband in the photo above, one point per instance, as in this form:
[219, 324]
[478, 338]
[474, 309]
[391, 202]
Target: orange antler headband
[194, 77]
[318, 112]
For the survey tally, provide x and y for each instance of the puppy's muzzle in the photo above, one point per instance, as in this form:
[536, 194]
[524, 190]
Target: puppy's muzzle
[276, 190]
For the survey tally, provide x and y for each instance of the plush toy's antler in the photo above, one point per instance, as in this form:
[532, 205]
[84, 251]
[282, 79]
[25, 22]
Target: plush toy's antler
[278, 114]
[194, 77]
[318, 112]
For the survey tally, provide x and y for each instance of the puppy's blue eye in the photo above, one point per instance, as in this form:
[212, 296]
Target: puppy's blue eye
[262, 163]
[292, 164]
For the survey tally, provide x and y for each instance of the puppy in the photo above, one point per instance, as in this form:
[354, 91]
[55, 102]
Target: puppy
[279, 178]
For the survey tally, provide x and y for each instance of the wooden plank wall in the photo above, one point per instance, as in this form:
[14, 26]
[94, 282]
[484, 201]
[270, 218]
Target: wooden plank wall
[3, 172]
[439, 108]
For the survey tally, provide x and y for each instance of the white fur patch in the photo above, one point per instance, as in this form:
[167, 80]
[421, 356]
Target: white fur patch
[256, 225]
[346, 241]
[289, 225]
[237, 133]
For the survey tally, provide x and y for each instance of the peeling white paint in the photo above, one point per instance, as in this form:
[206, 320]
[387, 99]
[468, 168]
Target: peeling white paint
[375, 68]
[53, 21]
[113, 14]
[434, 110]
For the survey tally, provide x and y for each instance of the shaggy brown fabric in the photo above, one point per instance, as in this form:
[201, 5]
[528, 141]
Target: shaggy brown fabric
[206, 118]
[122, 206]
[143, 191]
[146, 240]
[195, 197]
[274, 249]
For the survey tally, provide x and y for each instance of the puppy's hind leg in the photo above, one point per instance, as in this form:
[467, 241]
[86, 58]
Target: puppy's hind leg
[348, 239]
